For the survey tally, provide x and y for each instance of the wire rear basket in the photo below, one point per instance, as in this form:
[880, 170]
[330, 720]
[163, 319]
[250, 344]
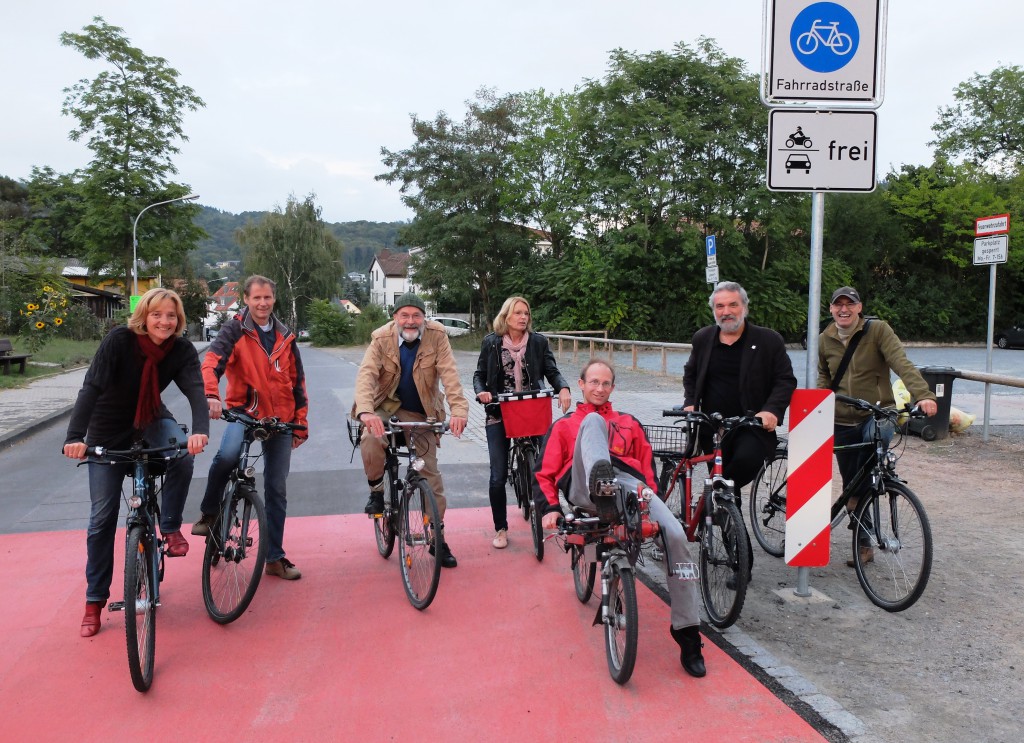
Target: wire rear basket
[670, 441]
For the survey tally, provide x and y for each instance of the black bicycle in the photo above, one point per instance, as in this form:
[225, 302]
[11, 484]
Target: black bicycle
[235, 549]
[410, 514]
[527, 417]
[892, 538]
[144, 549]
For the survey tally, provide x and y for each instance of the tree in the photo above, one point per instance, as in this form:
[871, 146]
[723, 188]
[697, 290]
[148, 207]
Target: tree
[131, 115]
[294, 247]
[453, 179]
[986, 125]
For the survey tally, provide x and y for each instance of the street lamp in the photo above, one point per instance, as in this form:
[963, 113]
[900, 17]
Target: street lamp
[135, 242]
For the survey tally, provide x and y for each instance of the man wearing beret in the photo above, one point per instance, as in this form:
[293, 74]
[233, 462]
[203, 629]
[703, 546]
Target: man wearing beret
[400, 375]
[865, 377]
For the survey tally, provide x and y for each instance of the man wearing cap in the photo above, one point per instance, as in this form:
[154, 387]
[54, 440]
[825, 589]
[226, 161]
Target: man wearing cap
[865, 377]
[399, 375]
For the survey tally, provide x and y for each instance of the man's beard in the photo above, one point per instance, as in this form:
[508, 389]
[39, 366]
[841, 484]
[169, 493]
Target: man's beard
[410, 335]
[731, 326]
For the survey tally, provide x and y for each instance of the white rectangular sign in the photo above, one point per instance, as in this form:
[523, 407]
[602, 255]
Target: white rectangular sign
[711, 274]
[995, 249]
[825, 53]
[814, 150]
[992, 225]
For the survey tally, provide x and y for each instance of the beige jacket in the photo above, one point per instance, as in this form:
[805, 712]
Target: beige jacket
[379, 373]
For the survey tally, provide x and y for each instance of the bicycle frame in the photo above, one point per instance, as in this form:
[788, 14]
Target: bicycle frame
[144, 509]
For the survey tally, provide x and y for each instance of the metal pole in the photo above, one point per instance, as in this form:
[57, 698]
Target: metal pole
[990, 337]
[135, 241]
[813, 311]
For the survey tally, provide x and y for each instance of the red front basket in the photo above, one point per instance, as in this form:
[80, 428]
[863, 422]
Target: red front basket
[526, 416]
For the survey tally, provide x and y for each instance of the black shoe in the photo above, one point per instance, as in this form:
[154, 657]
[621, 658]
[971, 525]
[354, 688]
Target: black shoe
[690, 644]
[602, 471]
[375, 504]
[447, 558]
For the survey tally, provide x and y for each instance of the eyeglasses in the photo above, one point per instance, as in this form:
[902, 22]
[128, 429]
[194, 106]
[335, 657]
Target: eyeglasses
[599, 384]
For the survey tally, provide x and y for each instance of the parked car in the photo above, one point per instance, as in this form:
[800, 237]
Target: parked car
[453, 326]
[1011, 337]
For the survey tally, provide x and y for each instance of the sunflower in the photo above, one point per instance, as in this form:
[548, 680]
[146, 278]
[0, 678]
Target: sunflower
[40, 325]
[47, 289]
[32, 306]
[57, 321]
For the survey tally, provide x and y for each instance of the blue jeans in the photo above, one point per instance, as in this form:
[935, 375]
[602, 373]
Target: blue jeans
[105, 490]
[277, 460]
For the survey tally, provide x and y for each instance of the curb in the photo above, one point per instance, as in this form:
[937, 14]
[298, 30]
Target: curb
[20, 434]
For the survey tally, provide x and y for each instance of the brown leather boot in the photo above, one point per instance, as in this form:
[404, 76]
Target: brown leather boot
[91, 620]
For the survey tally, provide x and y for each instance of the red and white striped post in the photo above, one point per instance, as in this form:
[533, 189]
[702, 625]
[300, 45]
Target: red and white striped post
[809, 480]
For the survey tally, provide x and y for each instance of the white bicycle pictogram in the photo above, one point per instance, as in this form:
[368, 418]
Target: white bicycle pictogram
[836, 40]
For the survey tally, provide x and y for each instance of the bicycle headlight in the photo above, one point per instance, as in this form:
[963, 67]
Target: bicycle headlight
[250, 472]
[890, 459]
[134, 501]
[418, 464]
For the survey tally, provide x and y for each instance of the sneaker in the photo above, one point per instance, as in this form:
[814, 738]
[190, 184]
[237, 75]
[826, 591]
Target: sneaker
[283, 568]
[601, 472]
[867, 554]
[175, 545]
[500, 540]
[375, 505]
[204, 527]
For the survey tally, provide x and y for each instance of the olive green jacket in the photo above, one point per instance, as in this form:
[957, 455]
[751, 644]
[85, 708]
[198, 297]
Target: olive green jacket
[867, 376]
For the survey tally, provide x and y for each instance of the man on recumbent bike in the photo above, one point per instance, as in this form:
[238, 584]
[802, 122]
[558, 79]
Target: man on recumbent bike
[594, 445]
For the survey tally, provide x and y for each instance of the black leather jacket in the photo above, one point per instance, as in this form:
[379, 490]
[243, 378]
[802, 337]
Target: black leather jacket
[538, 365]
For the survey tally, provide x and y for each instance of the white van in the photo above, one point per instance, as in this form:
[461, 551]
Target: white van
[452, 326]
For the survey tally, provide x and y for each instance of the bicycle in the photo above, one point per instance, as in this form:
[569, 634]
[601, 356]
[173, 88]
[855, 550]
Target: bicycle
[144, 551]
[410, 509]
[891, 520]
[712, 518]
[526, 417]
[611, 538]
[836, 41]
[235, 550]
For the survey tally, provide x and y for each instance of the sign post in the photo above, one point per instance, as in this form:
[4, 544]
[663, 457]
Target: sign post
[991, 246]
[711, 272]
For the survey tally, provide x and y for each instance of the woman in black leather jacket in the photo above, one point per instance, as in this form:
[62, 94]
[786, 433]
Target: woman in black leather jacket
[512, 359]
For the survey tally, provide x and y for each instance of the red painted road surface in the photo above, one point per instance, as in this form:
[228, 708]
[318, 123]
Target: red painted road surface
[505, 652]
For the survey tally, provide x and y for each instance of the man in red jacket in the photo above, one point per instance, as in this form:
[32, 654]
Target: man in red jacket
[261, 359]
[594, 443]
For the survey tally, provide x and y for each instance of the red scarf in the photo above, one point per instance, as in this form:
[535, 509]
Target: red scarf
[149, 386]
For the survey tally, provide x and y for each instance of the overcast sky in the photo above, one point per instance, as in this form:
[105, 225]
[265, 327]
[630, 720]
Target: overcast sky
[301, 96]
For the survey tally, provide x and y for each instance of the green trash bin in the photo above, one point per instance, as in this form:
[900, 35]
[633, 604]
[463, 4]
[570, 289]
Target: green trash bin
[940, 381]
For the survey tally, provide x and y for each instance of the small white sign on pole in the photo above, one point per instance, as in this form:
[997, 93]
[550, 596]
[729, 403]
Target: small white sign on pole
[993, 249]
[996, 225]
[711, 274]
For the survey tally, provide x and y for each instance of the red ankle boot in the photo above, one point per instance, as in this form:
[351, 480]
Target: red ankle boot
[91, 620]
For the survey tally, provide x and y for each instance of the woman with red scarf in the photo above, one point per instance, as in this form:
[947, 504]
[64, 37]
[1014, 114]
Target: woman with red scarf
[119, 403]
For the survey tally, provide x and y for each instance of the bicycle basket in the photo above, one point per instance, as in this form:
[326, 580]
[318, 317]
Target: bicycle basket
[670, 441]
[526, 413]
[355, 432]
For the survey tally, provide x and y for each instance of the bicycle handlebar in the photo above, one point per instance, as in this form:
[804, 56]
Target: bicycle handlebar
[137, 451]
[700, 418]
[878, 411]
[236, 415]
[436, 427]
[524, 395]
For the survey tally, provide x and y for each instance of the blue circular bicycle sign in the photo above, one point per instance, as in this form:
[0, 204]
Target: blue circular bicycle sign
[824, 37]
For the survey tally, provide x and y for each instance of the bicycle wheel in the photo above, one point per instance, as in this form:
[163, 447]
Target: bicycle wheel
[767, 505]
[724, 565]
[895, 571]
[583, 573]
[140, 606]
[420, 545]
[673, 497]
[523, 469]
[620, 626]
[232, 569]
[383, 525]
[538, 534]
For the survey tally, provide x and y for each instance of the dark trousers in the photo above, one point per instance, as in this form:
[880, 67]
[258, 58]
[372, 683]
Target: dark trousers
[743, 453]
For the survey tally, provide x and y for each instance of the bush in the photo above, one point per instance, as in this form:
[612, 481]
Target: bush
[328, 325]
[373, 317]
[80, 324]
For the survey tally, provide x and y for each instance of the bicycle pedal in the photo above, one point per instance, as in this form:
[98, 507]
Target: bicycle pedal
[606, 487]
[115, 606]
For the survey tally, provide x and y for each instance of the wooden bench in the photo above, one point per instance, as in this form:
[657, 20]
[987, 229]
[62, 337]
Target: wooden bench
[9, 358]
